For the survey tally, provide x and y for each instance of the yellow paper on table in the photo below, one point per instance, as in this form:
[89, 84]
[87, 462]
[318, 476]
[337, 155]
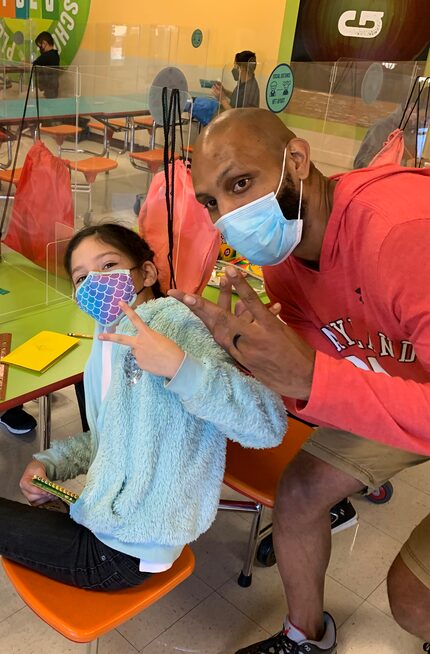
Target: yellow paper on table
[40, 351]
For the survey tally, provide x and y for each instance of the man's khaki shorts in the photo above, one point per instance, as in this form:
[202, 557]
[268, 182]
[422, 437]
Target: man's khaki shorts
[373, 464]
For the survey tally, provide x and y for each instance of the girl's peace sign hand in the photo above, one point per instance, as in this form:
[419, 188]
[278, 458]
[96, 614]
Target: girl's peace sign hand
[153, 352]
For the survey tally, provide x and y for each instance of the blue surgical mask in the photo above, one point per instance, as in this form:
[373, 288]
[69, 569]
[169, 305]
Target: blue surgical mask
[100, 293]
[260, 231]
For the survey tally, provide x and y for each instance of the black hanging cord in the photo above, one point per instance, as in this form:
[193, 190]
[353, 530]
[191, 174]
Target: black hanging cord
[171, 116]
[415, 106]
[18, 143]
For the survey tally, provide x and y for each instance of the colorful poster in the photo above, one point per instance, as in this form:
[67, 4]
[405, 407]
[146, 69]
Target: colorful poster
[22, 20]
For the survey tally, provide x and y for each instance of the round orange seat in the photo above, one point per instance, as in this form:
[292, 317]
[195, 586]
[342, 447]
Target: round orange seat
[94, 124]
[6, 175]
[187, 150]
[61, 132]
[256, 473]
[144, 121]
[5, 137]
[84, 615]
[154, 159]
[118, 122]
[92, 166]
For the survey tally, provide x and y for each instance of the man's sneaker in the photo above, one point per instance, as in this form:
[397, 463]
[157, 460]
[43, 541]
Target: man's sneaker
[343, 515]
[18, 421]
[281, 644]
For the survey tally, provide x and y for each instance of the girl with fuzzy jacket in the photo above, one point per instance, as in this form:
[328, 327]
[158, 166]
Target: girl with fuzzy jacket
[161, 399]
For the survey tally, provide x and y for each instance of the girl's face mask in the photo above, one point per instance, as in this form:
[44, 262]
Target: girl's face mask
[260, 231]
[100, 293]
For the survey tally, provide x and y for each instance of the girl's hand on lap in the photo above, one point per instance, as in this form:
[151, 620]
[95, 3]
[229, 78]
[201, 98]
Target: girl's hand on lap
[33, 494]
[153, 352]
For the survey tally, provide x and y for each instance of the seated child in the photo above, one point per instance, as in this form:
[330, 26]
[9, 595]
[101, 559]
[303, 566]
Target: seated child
[160, 406]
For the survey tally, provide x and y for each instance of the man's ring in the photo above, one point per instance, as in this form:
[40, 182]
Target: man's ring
[235, 339]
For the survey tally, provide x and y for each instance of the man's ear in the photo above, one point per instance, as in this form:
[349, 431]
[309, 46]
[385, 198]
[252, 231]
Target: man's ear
[298, 159]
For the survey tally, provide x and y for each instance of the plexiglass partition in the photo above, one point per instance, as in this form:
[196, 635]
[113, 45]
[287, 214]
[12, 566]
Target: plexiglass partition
[347, 109]
[26, 286]
[30, 219]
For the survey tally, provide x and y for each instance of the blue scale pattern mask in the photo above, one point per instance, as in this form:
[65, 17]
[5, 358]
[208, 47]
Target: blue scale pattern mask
[100, 293]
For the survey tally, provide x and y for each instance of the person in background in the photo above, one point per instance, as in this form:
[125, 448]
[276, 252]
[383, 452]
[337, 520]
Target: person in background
[246, 92]
[17, 421]
[47, 81]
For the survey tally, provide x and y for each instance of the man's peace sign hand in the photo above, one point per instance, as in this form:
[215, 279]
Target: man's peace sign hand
[255, 337]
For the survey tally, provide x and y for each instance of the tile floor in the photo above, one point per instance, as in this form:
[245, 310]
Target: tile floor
[209, 613]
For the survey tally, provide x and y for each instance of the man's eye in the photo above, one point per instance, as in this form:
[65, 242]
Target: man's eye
[241, 185]
[210, 205]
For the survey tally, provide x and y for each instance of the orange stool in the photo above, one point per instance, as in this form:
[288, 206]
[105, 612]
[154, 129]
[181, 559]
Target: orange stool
[119, 123]
[145, 122]
[150, 160]
[6, 176]
[108, 127]
[60, 133]
[90, 168]
[187, 151]
[84, 615]
[6, 136]
[255, 474]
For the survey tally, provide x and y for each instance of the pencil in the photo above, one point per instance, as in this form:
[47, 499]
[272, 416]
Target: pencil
[76, 335]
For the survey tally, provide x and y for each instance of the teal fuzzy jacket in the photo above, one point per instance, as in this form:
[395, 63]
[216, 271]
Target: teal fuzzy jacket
[155, 454]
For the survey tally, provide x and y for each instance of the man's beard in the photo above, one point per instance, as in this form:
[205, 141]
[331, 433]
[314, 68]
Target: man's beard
[289, 199]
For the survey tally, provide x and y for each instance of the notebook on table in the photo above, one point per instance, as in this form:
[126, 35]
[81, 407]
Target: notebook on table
[40, 351]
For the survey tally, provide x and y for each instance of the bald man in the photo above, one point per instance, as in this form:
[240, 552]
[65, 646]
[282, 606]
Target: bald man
[346, 263]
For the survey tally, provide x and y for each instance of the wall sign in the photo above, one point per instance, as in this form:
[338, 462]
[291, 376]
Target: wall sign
[22, 20]
[279, 88]
[197, 38]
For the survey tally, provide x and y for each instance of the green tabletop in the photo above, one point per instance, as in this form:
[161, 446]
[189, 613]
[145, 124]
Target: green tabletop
[24, 385]
[27, 306]
[107, 106]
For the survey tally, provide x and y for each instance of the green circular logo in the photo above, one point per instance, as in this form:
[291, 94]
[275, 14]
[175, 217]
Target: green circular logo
[279, 88]
[23, 20]
[196, 38]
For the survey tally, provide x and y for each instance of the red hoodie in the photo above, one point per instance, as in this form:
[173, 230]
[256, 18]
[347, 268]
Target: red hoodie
[367, 309]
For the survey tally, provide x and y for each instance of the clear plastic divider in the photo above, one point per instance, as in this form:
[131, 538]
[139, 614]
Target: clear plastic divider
[347, 109]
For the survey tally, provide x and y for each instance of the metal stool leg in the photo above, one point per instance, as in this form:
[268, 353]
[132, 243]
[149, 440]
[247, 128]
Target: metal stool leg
[93, 647]
[245, 577]
[45, 421]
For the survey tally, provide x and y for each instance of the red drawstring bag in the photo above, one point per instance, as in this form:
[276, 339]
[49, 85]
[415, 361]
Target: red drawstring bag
[43, 198]
[196, 242]
[392, 150]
